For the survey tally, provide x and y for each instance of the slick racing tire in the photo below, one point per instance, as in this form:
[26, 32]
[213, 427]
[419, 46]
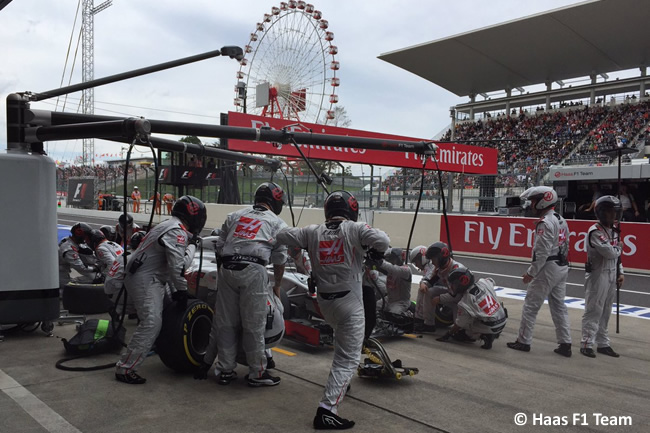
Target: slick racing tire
[184, 336]
[444, 316]
[86, 298]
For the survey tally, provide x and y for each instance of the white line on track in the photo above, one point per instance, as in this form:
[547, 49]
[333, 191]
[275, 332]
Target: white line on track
[416, 280]
[516, 262]
[568, 284]
[42, 413]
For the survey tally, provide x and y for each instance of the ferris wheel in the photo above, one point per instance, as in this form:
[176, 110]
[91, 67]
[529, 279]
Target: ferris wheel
[289, 66]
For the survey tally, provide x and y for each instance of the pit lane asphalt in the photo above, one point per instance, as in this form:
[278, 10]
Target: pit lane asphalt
[460, 388]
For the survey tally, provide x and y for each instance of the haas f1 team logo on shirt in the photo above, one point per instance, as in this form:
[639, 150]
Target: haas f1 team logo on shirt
[114, 268]
[331, 252]
[247, 228]
[489, 305]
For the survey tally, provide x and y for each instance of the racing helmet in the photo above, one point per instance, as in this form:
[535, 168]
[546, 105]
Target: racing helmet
[608, 210]
[542, 196]
[341, 204]
[395, 256]
[192, 211]
[274, 333]
[125, 220]
[96, 237]
[109, 232]
[80, 232]
[216, 232]
[418, 256]
[439, 254]
[272, 194]
[460, 279]
[136, 239]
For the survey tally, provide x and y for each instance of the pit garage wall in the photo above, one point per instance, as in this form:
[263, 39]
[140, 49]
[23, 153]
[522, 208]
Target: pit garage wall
[505, 237]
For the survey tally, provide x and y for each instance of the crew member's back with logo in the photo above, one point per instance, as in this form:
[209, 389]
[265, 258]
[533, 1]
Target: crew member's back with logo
[251, 232]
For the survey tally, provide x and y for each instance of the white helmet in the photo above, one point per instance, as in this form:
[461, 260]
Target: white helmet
[418, 256]
[544, 195]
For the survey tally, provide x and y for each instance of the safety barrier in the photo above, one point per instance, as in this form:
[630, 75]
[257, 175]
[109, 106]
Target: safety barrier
[493, 236]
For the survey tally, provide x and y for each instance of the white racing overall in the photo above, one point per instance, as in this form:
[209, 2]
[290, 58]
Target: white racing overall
[549, 269]
[603, 251]
[336, 249]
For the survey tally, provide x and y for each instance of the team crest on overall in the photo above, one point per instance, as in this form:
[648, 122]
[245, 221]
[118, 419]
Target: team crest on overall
[489, 305]
[247, 228]
[114, 268]
[331, 252]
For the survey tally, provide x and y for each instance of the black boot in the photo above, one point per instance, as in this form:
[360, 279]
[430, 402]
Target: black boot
[588, 352]
[130, 377]
[487, 341]
[519, 346]
[608, 351]
[201, 372]
[327, 420]
[564, 349]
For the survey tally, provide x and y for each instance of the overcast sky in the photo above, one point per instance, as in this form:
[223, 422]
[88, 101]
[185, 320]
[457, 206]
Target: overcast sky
[34, 38]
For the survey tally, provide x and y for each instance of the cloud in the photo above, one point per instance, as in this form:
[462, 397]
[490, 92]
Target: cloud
[129, 35]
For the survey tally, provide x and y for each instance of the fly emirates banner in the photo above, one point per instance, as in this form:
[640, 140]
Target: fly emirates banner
[458, 158]
[514, 237]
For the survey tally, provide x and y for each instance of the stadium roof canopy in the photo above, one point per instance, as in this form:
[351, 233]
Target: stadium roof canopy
[589, 38]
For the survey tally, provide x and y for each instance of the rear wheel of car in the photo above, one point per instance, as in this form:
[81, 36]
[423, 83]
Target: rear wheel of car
[444, 316]
[85, 298]
[184, 336]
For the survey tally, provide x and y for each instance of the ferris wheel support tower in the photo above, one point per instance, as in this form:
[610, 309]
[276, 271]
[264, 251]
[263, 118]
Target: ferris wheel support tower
[88, 67]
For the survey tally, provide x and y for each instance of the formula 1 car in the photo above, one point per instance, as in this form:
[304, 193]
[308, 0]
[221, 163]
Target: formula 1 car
[304, 322]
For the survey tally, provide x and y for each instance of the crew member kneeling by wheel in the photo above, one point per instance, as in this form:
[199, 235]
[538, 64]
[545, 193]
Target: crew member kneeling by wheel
[480, 314]
[159, 260]
[336, 249]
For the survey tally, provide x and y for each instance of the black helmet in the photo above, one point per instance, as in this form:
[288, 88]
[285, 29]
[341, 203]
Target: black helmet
[602, 209]
[341, 204]
[135, 240]
[109, 232]
[80, 232]
[460, 279]
[395, 256]
[439, 254]
[96, 237]
[128, 218]
[192, 211]
[272, 194]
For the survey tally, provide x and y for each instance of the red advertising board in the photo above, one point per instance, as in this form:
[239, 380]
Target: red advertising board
[459, 158]
[514, 236]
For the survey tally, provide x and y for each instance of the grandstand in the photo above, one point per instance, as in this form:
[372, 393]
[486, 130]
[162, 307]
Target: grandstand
[561, 124]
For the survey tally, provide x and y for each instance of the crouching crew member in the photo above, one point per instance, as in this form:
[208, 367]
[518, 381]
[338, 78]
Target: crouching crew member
[69, 257]
[480, 314]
